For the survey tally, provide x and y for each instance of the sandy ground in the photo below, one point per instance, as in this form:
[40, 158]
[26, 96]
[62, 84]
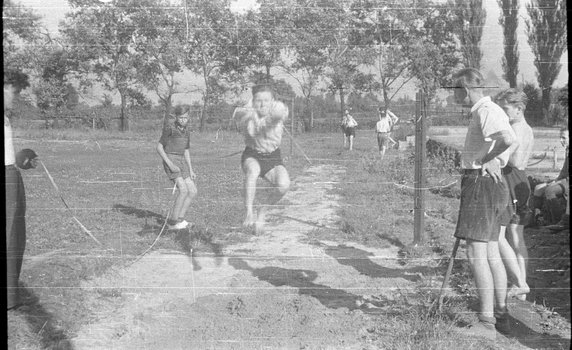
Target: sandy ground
[276, 291]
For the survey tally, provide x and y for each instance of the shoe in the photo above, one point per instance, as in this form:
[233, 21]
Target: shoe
[188, 224]
[178, 226]
[502, 324]
[563, 224]
[518, 292]
[480, 329]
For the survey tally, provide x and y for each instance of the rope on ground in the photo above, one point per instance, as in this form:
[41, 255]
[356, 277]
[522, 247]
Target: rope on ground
[66, 205]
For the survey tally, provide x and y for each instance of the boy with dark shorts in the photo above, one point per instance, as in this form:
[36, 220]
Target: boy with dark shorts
[512, 248]
[383, 129]
[263, 124]
[349, 125]
[484, 197]
[173, 147]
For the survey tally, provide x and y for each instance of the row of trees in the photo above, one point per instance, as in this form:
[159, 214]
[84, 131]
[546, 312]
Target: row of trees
[133, 47]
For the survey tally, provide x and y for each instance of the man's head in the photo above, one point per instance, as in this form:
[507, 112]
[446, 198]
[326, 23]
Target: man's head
[262, 99]
[513, 102]
[564, 137]
[467, 84]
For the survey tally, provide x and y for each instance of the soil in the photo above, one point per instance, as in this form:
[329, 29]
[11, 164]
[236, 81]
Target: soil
[278, 290]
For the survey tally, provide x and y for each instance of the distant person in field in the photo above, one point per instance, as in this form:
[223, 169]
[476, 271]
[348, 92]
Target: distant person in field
[383, 129]
[513, 250]
[174, 149]
[263, 125]
[15, 198]
[349, 126]
[550, 192]
[484, 199]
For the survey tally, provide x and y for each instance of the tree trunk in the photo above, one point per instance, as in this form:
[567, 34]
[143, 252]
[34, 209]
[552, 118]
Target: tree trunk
[546, 104]
[342, 101]
[123, 118]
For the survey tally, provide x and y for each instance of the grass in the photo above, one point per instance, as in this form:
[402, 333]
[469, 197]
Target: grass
[116, 187]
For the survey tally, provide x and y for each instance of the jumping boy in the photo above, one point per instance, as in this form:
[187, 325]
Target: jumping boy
[173, 147]
[513, 250]
[484, 198]
[263, 127]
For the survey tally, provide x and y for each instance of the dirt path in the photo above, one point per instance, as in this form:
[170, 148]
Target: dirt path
[276, 291]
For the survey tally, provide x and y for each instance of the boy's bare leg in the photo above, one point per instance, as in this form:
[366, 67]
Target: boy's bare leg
[351, 146]
[251, 172]
[477, 253]
[280, 181]
[515, 237]
[191, 193]
[499, 274]
[180, 200]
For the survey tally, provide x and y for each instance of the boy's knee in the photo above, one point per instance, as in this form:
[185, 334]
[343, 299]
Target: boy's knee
[283, 185]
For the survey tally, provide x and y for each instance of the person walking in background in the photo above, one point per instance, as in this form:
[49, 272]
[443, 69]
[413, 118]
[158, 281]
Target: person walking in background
[484, 199]
[15, 200]
[512, 245]
[174, 149]
[551, 192]
[263, 125]
[383, 129]
[349, 125]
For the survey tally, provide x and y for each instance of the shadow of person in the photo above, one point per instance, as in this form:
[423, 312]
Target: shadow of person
[303, 280]
[361, 261]
[157, 219]
[40, 322]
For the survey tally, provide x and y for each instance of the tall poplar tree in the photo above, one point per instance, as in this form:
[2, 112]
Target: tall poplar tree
[471, 17]
[509, 21]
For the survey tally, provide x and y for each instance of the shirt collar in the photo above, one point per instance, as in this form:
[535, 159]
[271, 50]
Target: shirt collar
[480, 102]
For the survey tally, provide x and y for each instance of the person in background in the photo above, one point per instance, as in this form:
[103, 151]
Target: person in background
[383, 129]
[349, 126]
[553, 190]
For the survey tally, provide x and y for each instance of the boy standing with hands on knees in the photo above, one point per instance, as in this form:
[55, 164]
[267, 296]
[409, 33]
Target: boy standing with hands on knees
[173, 147]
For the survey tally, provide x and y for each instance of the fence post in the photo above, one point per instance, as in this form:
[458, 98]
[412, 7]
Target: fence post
[292, 130]
[419, 195]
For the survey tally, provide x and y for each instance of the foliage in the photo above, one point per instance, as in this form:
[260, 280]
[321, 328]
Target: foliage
[509, 21]
[469, 22]
[547, 35]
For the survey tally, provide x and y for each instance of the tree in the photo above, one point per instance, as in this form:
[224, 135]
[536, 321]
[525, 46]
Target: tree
[213, 50]
[547, 36]
[509, 21]
[103, 36]
[21, 30]
[471, 17]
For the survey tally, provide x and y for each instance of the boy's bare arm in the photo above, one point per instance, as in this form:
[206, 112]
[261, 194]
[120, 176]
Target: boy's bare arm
[187, 155]
[490, 164]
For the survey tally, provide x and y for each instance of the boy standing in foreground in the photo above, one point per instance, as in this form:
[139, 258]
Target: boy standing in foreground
[173, 147]
[484, 198]
[512, 248]
[263, 127]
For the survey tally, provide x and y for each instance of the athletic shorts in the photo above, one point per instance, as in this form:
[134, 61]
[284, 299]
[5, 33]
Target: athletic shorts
[267, 161]
[350, 131]
[519, 189]
[483, 208]
[382, 139]
[179, 161]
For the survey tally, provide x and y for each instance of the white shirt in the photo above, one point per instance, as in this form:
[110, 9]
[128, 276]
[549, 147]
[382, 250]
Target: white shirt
[9, 155]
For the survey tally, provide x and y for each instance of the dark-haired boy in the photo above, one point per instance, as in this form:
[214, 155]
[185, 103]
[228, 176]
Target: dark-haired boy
[173, 147]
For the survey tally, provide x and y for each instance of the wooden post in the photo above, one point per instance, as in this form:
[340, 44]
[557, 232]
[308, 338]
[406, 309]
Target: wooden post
[555, 158]
[419, 194]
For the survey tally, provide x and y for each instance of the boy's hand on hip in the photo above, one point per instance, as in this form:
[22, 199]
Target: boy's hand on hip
[193, 175]
[175, 168]
[492, 167]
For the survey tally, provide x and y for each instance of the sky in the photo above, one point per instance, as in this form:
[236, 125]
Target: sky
[492, 43]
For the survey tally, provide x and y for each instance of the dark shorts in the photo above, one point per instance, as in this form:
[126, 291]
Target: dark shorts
[483, 208]
[179, 161]
[519, 189]
[267, 161]
[350, 131]
[382, 139]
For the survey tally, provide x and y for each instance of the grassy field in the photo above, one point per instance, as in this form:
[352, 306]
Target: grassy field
[116, 187]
